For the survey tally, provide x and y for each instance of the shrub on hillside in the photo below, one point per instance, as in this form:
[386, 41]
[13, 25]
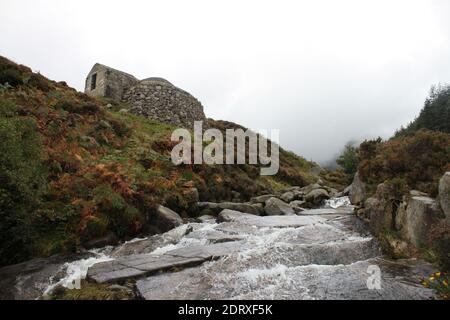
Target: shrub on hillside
[419, 160]
[11, 77]
[348, 160]
[435, 115]
[22, 182]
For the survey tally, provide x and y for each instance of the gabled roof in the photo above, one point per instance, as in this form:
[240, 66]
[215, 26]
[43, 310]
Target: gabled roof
[97, 65]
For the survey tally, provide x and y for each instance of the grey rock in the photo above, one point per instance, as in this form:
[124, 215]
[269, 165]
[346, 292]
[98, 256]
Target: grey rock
[297, 205]
[444, 194]
[164, 286]
[231, 215]
[287, 196]
[357, 190]
[275, 206]
[259, 207]
[216, 208]
[136, 266]
[140, 265]
[290, 221]
[379, 219]
[167, 219]
[261, 199]
[317, 196]
[310, 188]
[29, 280]
[421, 214]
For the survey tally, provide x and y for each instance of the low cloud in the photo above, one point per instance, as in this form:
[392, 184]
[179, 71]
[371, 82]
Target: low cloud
[323, 72]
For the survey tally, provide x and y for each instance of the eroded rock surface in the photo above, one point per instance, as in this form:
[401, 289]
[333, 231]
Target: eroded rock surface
[321, 254]
[325, 253]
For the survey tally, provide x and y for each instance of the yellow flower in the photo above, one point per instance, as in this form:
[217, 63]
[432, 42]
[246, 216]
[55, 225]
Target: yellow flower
[437, 274]
[445, 283]
[431, 278]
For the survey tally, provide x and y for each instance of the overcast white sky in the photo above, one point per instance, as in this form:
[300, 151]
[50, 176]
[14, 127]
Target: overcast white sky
[324, 72]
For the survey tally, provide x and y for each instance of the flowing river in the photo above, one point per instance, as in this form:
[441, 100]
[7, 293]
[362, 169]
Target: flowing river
[319, 254]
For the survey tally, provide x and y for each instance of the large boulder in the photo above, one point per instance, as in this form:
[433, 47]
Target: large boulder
[231, 215]
[378, 219]
[444, 194]
[297, 205]
[259, 207]
[421, 214]
[310, 187]
[261, 199]
[167, 219]
[381, 209]
[413, 218]
[216, 208]
[357, 190]
[275, 206]
[288, 196]
[317, 196]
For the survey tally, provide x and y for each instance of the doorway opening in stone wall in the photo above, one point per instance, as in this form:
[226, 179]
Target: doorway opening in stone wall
[93, 81]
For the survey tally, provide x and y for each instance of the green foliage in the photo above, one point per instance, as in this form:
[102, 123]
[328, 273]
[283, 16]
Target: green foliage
[348, 160]
[435, 115]
[77, 107]
[11, 76]
[95, 227]
[418, 160]
[39, 82]
[92, 291]
[22, 182]
[120, 214]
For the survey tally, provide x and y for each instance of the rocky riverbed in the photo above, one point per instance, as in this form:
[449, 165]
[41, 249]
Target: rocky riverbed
[324, 253]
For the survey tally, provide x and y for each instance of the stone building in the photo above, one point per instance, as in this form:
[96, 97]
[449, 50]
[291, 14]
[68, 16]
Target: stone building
[155, 98]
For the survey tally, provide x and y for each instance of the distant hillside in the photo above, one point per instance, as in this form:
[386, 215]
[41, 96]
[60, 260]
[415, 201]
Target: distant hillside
[74, 168]
[418, 155]
[435, 115]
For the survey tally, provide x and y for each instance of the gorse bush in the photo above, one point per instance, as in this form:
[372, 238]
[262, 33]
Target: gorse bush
[11, 77]
[123, 218]
[419, 160]
[22, 182]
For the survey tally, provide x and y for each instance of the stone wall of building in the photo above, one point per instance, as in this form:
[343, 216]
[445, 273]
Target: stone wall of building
[109, 82]
[154, 98]
[160, 100]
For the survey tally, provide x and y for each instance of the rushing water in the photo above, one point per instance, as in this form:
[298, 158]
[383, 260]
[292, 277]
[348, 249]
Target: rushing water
[322, 254]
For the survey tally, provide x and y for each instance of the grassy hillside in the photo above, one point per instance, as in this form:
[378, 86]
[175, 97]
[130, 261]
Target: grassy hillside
[74, 168]
[416, 161]
[417, 156]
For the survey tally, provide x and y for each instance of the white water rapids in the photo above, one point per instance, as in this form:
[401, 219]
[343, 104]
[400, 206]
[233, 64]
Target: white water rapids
[326, 257]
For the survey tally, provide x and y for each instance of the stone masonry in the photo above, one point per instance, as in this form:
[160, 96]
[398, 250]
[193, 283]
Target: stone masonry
[155, 98]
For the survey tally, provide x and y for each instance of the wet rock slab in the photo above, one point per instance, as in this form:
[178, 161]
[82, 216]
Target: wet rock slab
[269, 221]
[311, 282]
[328, 211]
[135, 266]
